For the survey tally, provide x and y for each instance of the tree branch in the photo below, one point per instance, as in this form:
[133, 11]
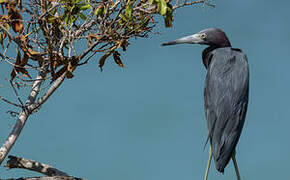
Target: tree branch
[16, 93]
[21, 120]
[9, 102]
[50, 178]
[17, 162]
[48, 93]
[6, 32]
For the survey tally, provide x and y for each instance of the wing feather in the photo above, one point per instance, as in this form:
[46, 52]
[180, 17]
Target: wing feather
[226, 99]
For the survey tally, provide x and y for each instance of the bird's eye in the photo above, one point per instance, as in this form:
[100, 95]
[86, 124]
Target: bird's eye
[203, 36]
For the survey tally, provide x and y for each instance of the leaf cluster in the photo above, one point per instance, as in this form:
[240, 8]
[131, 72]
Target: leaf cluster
[54, 32]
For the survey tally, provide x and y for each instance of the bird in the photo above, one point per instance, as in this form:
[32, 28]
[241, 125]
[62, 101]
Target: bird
[226, 94]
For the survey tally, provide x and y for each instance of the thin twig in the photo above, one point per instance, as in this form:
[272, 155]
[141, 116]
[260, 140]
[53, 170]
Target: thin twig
[191, 3]
[91, 47]
[6, 32]
[55, 5]
[94, 52]
[9, 102]
[16, 93]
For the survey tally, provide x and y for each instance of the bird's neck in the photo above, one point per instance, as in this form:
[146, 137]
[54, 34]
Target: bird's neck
[206, 55]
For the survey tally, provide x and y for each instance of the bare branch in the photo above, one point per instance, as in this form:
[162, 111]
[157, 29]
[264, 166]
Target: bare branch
[6, 32]
[16, 94]
[54, 6]
[18, 162]
[176, 6]
[21, 120]
[48, 93]
[9, 102]
[90, 48]
[12, 113]
[50, 178]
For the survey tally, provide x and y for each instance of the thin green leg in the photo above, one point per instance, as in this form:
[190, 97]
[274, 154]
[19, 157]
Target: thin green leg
[208, 163]
[236, 166]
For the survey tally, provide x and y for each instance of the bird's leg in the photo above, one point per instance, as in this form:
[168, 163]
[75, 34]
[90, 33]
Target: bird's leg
[236, 165]
[208, 163]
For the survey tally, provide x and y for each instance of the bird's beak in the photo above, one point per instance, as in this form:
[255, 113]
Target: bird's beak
[192, 39]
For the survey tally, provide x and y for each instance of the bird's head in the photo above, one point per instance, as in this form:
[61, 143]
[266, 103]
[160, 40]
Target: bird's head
[212, 37]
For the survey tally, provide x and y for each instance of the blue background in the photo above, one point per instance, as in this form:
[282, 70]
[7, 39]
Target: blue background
[146, 121]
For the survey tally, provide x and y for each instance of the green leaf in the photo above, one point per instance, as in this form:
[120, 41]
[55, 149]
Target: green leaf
[52, 12]
[85, 6]
[155, 1]
[72, 19]
[128, 10]
[51, 19]
[82, 16]
[71, 8]
[99, 10]
[168, 18]
[65, 20]
[3, 1]
[123, 17]
[162, 7]
[105, 10]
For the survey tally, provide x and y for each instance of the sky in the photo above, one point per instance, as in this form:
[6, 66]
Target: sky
[146, 121]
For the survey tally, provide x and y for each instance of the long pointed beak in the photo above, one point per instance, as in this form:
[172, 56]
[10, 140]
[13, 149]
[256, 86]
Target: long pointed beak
[192, 39]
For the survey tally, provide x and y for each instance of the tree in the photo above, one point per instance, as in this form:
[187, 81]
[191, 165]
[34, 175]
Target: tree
[49, 38]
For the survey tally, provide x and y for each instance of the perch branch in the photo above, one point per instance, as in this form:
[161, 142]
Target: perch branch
[18, 162]
[50, 178]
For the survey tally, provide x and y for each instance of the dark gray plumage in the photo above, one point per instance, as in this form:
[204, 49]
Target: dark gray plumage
[225, 101]
[226, 91]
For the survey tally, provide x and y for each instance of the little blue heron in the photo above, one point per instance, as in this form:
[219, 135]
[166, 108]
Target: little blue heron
[225, 94]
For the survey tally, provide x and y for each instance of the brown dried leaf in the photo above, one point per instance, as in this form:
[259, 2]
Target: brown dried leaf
[119, 43]
[40, 60]
[58, 73]
[20, 66]
[24, 73]
[4, 20]
[70, 69]
[55, 64]
[2, 38]
[13, 74]
[103, 59]
[19, 3]
[124, 45]
[15, 17]
[93, 36]
[117, 58]
[24, 60]
[33, 53]
[18, 58]
[89, 42]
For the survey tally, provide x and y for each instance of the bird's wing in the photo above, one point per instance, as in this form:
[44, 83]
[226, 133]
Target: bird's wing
[226, 99]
